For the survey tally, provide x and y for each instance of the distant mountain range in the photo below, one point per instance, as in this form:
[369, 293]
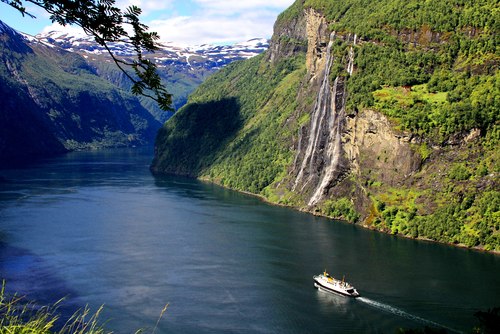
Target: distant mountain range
[182, 68]
[65, 93]
[209, 57]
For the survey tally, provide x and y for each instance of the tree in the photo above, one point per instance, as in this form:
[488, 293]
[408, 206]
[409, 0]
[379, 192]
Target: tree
[107, 24]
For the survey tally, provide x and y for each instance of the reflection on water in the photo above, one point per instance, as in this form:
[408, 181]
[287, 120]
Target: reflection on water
[98, 227]
[327, 300]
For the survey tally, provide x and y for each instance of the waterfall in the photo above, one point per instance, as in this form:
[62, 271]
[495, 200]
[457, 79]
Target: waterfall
[350, 64]
[317, 118]
[333, 149]
[322, 154]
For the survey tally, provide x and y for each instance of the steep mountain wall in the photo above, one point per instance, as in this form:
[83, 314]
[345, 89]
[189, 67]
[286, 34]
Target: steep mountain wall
[53, 101]
[358, 118]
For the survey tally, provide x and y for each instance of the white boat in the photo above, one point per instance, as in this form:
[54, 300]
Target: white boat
[328, 283]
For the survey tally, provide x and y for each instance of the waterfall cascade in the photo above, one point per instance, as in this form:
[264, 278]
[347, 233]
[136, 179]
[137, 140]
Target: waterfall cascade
[318, 116]
[321, 155]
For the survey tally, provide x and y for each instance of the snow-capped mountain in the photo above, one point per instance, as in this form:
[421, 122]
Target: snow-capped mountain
[190, 57]
[182, 68]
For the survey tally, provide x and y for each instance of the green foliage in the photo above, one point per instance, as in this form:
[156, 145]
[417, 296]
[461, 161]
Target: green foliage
[450, 102]
[459, 172]
[253, 154]
[191, 140]
[473, 220]
[291, 13]
[19, 316]
[431, 67]
[342, 208]
[375, 18]
[425, 151]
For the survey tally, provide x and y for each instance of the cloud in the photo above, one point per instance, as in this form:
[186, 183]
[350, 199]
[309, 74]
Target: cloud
[147, 6]
[71, 30]
[195, 22]
[221, 22]
[228, 5]
[214, 29]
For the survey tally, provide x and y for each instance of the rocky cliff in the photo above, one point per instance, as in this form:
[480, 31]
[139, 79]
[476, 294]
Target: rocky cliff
[353, 116]
[335, 145]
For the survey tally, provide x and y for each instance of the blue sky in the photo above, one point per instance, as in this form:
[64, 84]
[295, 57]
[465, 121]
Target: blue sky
[187, 22]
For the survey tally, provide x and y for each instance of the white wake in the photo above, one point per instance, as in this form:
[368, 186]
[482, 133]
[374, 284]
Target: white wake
[401, 313]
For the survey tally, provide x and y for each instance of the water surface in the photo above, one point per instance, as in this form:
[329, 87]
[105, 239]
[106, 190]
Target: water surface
[98, 228]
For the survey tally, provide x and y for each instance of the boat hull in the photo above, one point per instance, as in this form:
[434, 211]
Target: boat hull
[324, 285]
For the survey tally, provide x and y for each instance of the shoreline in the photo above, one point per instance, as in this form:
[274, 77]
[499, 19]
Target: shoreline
[362, 225]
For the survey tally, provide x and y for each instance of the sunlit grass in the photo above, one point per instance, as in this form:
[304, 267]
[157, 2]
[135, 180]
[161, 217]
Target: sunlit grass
[406, 96]
[19, 316]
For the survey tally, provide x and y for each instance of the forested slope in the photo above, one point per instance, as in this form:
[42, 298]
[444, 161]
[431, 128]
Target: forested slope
[53, 101]
[384, 113]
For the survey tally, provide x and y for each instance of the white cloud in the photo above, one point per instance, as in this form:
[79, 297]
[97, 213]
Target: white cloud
[191, 30]
[72, 30]
[221, 22]
[194, 22]
[147, 6]
[229, 5]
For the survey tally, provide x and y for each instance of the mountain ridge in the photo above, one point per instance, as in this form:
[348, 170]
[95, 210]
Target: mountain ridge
[204, 55]
[57, 102]
[182, 68]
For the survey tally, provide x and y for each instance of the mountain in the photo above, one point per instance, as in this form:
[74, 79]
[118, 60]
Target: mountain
[66, 93]
[182, 68]
[54, 101]
[186, 57]
[383, 114]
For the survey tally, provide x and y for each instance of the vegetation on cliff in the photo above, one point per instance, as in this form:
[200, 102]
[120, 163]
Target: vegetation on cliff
[431, 68]
[231, 130]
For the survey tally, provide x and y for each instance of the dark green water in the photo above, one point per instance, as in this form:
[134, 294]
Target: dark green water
[98, 228]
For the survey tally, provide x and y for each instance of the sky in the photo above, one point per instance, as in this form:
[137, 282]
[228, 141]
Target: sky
[186, 22]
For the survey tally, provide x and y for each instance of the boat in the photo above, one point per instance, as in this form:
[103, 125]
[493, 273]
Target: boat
[328, 283]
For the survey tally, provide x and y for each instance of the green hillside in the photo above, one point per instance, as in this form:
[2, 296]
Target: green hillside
[178, 82]
[430, 68]
[230, 131]
[53, 101]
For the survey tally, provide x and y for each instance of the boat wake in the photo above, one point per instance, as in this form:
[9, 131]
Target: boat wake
[401, 313]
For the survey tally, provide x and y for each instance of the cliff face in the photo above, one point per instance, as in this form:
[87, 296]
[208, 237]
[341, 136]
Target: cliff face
[347, 126]
[334, 145]
[53, 101]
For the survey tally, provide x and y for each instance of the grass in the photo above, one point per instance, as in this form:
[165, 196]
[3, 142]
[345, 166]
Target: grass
[405, 97]
[19, 316]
